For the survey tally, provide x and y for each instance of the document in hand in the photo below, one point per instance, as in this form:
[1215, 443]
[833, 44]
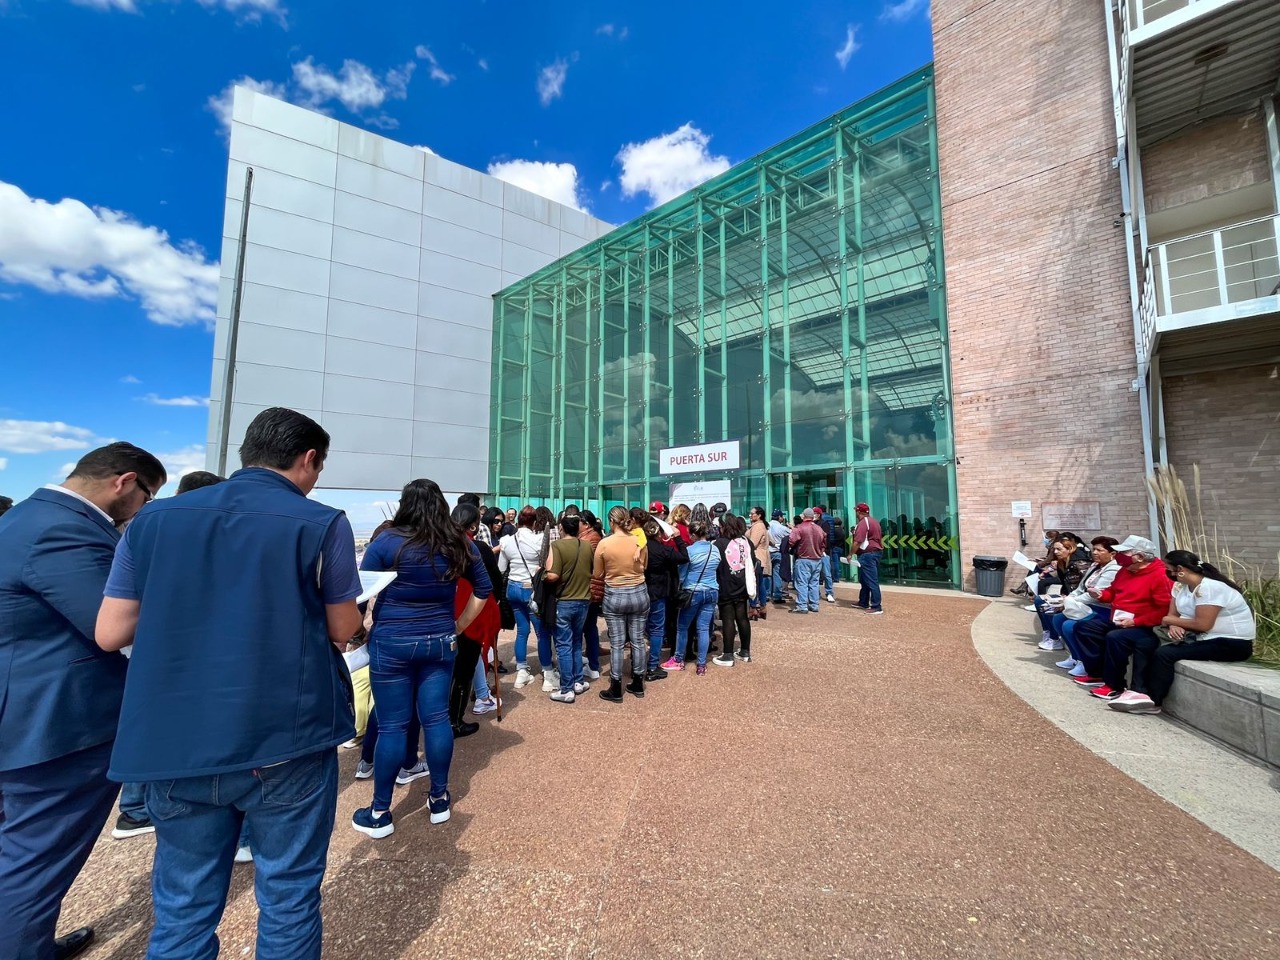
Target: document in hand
[1022, 560]
[373, 582]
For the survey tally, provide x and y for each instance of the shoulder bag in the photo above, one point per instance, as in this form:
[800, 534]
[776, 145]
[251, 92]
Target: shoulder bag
[685, 596]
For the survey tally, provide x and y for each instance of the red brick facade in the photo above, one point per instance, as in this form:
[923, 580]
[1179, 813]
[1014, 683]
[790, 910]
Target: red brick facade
[1039, 312]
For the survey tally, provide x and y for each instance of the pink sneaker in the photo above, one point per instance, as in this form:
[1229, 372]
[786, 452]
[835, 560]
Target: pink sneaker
[673, 664]
[702, 669]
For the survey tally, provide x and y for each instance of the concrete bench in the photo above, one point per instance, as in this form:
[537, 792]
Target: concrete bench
[1237, 703]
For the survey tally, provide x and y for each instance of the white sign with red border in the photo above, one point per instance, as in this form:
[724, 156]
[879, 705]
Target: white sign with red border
[703, 458]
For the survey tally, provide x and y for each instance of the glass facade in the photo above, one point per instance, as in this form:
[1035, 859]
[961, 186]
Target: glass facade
[795, 303]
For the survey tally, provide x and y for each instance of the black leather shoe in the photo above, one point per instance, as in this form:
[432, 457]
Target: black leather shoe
[658, 674]
[464, 729]
[73, 944]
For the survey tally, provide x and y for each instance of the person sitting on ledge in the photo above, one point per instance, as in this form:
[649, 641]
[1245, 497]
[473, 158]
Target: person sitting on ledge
[1139, 599]
[1209, 619]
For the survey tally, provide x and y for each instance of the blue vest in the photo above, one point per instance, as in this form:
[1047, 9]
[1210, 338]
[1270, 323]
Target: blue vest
[232, 666]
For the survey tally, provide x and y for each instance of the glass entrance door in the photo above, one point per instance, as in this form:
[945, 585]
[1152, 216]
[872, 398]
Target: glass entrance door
[793, 492]
[912, 501]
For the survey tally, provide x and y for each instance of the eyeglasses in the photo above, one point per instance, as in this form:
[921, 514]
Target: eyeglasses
[145, 489]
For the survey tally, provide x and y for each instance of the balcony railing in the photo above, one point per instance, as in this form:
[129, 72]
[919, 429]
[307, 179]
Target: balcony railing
[1218, 268]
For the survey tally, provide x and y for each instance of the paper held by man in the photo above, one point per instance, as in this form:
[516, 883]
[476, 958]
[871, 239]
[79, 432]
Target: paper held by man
[373, 582]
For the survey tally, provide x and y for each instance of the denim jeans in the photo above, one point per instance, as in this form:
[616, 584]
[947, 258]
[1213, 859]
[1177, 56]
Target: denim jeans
[626, 611]
[413, 733]
[700, 610]
[836, 568]
[570, 616]
[808, 574]
[657, 630]
[826, 571]
[1074, 646]
[520, 597]
[775, 579]
[480, 683]
[133, 800]
[406, 674]
[869, 578]
[290, 808]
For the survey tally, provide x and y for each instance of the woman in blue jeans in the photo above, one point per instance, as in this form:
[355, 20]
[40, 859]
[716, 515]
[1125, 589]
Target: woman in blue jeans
[520, 557]
[413, 642]
[698, 577]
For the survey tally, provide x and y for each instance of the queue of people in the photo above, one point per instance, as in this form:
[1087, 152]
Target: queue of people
[1125, 616]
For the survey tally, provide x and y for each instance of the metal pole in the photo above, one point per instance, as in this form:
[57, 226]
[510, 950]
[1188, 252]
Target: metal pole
[233, 335]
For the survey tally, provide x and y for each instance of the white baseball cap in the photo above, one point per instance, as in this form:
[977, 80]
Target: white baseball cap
[1137, 545]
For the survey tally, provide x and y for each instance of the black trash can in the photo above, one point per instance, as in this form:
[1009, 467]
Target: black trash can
[990, 574]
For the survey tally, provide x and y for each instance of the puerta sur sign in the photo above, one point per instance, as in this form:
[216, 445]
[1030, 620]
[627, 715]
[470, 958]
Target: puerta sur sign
[726, 455]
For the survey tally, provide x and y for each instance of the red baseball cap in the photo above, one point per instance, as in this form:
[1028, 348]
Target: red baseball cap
[657, 507]
[862, 508]
[819, 511]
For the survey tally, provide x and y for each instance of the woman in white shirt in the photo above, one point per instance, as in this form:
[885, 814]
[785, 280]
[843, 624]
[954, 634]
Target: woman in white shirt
[1209, 619]
[520, 557]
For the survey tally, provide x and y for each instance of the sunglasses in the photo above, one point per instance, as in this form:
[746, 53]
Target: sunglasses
[145, 489]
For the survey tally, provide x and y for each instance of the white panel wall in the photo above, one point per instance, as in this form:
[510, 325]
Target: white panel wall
[367, 304]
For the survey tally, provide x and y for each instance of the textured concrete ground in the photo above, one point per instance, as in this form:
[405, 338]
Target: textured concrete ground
[865, 788]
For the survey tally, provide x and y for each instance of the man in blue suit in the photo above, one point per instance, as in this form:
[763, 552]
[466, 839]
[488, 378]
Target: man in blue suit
[60, 693]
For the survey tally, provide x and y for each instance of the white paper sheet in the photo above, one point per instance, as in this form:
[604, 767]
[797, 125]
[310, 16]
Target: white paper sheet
[1033, 583]
[373, 583]
[1022, 560]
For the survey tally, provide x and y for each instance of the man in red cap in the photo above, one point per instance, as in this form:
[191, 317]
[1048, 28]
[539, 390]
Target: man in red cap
[866, 544]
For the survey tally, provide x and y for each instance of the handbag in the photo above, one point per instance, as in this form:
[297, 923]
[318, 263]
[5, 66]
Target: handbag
[547, 594]
[505, 610]
[685, 596]
[1074, 608]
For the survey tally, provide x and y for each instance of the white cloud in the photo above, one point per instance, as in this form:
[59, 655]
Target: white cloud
[245, 9]
[425, 149]
[181, 462]
[128, 6]
[3, 463]
[668, 165]
[159, 401]
[551, 81]
[437, 72]
[851, 45]
[904, 10]
[220, 103]
[129, 378]
[555, 181]
[482, 63]
[355, 85]
[42, 436]
[97, 253]
[612, 30]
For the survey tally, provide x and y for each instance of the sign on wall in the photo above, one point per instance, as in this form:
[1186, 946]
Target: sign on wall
[1072, 515]
[709, 492]
[1021, 509]
[726, 455]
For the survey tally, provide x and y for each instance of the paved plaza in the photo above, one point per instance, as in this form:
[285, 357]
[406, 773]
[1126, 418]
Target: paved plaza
[866, 788]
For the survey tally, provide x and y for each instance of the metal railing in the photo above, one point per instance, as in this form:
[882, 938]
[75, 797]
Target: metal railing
[1215, 268]
[1147, 314]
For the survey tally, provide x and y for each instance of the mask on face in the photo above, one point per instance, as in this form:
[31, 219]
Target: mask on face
[1171, 575]
[1124, 559]
[1047, 541]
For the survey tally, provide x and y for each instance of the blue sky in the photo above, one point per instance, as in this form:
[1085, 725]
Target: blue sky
[112, 176]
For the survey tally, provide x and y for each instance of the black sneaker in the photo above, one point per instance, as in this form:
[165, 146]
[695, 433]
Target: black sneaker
[127, 826]
[658, 674]
[744, 656]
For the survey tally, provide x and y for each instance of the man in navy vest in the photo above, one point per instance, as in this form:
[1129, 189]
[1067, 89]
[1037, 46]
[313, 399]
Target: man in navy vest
[59, 693]
[234, 597]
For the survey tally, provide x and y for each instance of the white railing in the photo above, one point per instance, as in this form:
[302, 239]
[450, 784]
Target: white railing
[1142, 12]
[1147, 314]
[1216, 268]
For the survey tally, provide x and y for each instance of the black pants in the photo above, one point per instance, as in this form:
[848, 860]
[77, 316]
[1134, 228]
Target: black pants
[464, 673]
[733, 615]
[1160, 669]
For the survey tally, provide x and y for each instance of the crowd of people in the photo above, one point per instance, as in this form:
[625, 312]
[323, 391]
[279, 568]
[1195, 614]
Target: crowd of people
[140, 670]
[1124, 616]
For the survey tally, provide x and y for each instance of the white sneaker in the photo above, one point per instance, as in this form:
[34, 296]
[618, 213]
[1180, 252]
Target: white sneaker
[581, 687]
[487, 705]
[550, 680]
[1051, 643]
[416, 772]
[831, 598]
[1131, 700]
[1030, 606]
[590, 674]
[523, 677]
[352, 743]
[244, 855]
[364, 770]
[1044, 635]
[1067, 664]
[567, 697]
[724, 660]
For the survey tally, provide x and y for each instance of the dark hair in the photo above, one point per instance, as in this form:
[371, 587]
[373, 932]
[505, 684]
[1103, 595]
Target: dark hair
[526, 517]
[544, 519]
[278, 436]
[719, 510]
[652, 530]
[639, 518]
[699, 513]
[1189, 561]
[1068, 535]
[471, 498]
[5, 504]
[732, 526]
[383, 527]
[118, 458]
[570, 524]
[1109, 542]
[822, 507]
[591, 520]
[698, 529]
[466, 515]
[572, 510]
[1052, 535]
[197, 479]
[490, 516]
[424, 516]
[760, 510]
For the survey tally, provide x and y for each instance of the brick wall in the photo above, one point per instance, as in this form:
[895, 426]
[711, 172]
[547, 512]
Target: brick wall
[1216, 158]
[1041, 328]
[1240, 466]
